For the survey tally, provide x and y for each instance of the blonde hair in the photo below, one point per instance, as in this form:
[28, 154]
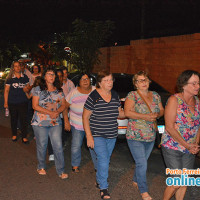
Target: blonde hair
[10, 75]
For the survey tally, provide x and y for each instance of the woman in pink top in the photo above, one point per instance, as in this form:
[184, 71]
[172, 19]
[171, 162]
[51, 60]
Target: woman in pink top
[181, 137]
[75, 101]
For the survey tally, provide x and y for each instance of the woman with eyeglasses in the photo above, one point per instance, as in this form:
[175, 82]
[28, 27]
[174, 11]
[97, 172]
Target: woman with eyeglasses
[74, 105]
[48, 103]
[180, 141]
[142, 107]
[100, 114]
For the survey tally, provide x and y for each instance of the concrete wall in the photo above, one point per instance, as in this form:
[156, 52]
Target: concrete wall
[164, 58]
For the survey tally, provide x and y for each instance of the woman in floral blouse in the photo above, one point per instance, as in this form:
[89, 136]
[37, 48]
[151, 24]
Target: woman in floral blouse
[141, 130]
[48, 103]
[181, 137]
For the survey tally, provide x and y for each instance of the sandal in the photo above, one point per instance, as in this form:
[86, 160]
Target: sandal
[104, 194]
[64, 176]
[41, 171]
[76, 169]
[146, 196]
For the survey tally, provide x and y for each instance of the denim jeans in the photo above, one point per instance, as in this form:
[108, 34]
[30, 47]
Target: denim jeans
[54, 132]
[103, 148]
[140, 152]
[77, 140]
[94, 158]
[64, 139]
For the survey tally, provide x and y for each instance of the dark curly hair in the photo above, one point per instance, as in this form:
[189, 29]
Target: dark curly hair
[184, 77]
[43, 85]
[80, 76]
[39, 69]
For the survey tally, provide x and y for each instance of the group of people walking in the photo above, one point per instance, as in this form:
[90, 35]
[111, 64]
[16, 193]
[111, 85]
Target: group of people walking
[93, 111]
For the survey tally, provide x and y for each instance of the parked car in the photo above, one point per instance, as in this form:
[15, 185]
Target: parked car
[123, 85]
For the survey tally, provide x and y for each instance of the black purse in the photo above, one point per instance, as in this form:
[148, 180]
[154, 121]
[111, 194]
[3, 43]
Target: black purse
[158, 137]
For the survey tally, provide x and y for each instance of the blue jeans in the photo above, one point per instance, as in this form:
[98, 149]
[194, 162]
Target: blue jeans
[94, 158]
[103, 148]
[77, 140]
[140, 152]
[54, 132]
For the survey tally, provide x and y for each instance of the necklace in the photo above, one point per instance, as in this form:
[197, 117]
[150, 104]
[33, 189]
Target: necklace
[186, 102]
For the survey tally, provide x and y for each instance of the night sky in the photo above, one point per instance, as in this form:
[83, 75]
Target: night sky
[34, 20]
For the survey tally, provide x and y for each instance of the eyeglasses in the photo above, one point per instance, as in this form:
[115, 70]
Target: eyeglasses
[194, 83]
[108, 80]
[50, 74]
[142, 80]
[84, 79]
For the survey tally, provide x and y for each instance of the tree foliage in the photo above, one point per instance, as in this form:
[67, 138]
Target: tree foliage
[84, 42]
[8, 53]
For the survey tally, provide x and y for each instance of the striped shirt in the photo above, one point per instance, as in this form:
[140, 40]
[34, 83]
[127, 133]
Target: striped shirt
[76, 101]
[103, 120]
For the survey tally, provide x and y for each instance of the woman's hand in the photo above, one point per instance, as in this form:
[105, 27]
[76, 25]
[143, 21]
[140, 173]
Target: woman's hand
[54, 115]
[67, 126]
[151, 117]
[193, 148]
[26, 89]
[90, 142]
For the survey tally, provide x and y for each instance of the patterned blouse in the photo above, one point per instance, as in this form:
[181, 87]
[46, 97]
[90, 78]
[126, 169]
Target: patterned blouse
[50, 101]
[139, 129]
[187, 124]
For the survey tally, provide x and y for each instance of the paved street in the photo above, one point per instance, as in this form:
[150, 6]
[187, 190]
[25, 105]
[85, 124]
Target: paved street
[19, 179]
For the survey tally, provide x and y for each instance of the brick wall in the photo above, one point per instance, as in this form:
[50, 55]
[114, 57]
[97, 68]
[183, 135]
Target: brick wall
[164, 58]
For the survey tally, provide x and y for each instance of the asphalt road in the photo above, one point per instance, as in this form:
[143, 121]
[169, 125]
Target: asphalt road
[19, 179]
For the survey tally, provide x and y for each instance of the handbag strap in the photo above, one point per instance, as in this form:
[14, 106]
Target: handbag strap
[144, 101]
[155, 123]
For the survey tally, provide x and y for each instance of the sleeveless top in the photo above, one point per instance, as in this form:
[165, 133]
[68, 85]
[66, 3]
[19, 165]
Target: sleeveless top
[187, 125]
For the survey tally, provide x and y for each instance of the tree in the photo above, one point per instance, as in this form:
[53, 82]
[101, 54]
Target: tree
[8, 53]
[84, 42]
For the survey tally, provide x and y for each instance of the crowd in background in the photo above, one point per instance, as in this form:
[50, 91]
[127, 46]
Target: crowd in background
[54, 105]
